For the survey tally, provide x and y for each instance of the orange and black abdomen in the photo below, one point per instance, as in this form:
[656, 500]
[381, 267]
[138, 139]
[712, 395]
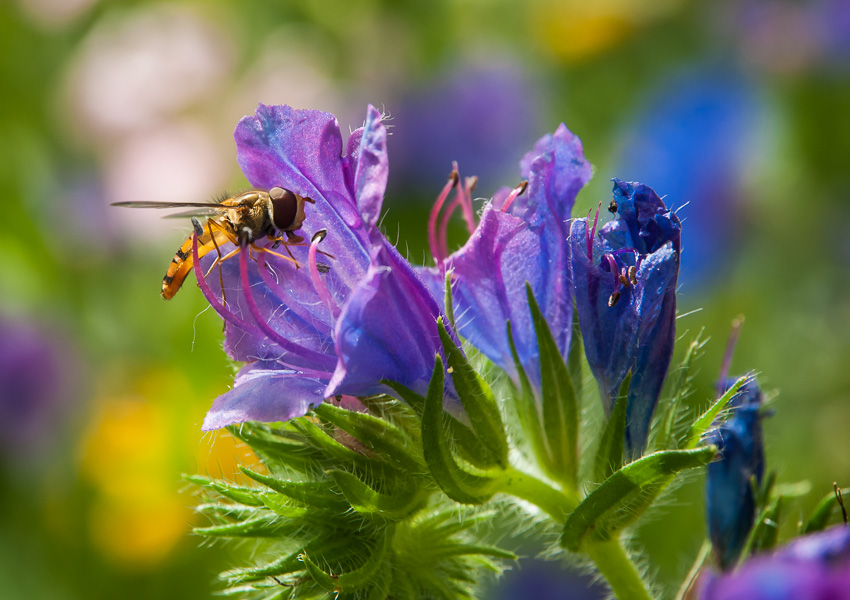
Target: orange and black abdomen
[182, 263]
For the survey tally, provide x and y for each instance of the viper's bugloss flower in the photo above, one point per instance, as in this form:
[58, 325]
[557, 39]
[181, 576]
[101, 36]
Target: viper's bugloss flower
[813, 567]
[624, 280]
[729, 490]
[355, 312]
[521, 237]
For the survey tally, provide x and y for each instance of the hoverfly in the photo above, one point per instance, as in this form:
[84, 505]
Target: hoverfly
[242, 219]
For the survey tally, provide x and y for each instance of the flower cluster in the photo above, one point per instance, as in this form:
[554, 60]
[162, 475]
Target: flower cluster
[393, 476]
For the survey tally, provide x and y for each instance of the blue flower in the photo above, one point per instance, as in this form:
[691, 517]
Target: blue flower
[813, 567]
[521, 237]
[695, 140]
[624, 280]
[730, 496]
[354, 313]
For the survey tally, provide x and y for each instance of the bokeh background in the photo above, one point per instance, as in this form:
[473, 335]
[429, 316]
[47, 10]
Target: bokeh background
[737, 111]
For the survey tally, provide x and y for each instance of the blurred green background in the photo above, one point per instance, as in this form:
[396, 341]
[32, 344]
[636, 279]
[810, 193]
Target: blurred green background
[737, 111]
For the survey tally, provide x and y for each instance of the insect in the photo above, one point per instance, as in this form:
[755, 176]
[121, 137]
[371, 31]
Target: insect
[242, 219]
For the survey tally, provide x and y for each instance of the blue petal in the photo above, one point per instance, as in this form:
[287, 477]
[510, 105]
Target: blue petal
[387, 330]
[267, 395]
[370, 179]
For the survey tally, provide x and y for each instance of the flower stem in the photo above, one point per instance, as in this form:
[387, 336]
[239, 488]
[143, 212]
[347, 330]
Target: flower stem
[555, 503]
[619, 571]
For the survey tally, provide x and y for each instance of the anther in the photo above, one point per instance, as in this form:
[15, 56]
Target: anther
[633, 275]
[622, 277]
[454, 177]
[612, 207]
[196, 225]
[613, 299]
[318, 284]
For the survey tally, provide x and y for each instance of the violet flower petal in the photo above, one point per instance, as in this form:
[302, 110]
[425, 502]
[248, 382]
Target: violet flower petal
[262, 394]
[387, 330]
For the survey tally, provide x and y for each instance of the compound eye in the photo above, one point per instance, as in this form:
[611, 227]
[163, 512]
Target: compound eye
[284, 208]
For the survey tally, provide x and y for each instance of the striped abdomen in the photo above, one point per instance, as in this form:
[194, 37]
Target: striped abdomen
[181, 264]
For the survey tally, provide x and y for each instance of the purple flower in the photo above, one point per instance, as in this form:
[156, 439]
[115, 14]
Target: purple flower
[354, 313]
[521, 237]
[624, 280]
[730, 497]
[813, 567]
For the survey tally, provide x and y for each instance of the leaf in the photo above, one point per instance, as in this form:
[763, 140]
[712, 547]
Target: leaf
[379, 435]
[393, 506]
[627, 493]
[819, 518]
[458, 484]
[236, 493]
[266, 525]
[477, 399]
[705, 420]
[560, 407]
[525, 405]
[609, 455]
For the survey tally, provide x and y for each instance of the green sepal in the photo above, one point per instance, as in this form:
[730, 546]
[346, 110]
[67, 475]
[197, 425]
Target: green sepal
[265, 525]
[223, 511]
[609, 454]
[283, 447]
[393, 506]
[525, 405]
[379, 435]
[458, 483]
[705, 420]
[311, 493]
[470, 447]
[477, 399]
[679, 390]
[575, 355]
[351, 581]
[449, 301]
[819, 518]
[558, 399]
[627, 493]
[237, 493]
[336, 453]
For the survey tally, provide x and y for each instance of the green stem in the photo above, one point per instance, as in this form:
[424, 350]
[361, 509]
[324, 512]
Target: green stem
[553, 502]
[619, 571]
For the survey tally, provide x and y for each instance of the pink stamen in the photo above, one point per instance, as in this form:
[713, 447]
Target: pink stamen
[515, 193]
[466, 203]
[321, 360]
[318, 284]
[435, 211]
[592, 232]
[737, 324]
[613, 265]
[218, 307]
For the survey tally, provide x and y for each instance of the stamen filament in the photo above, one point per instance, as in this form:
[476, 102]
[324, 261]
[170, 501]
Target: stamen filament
[315, 359]
[592, 233]
[466, 204]
[318, 284]
[515, 193]
[218, 307]
[435, 211]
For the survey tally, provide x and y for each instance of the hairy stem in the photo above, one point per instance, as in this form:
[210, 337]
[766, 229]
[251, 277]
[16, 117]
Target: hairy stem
[619, 571]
